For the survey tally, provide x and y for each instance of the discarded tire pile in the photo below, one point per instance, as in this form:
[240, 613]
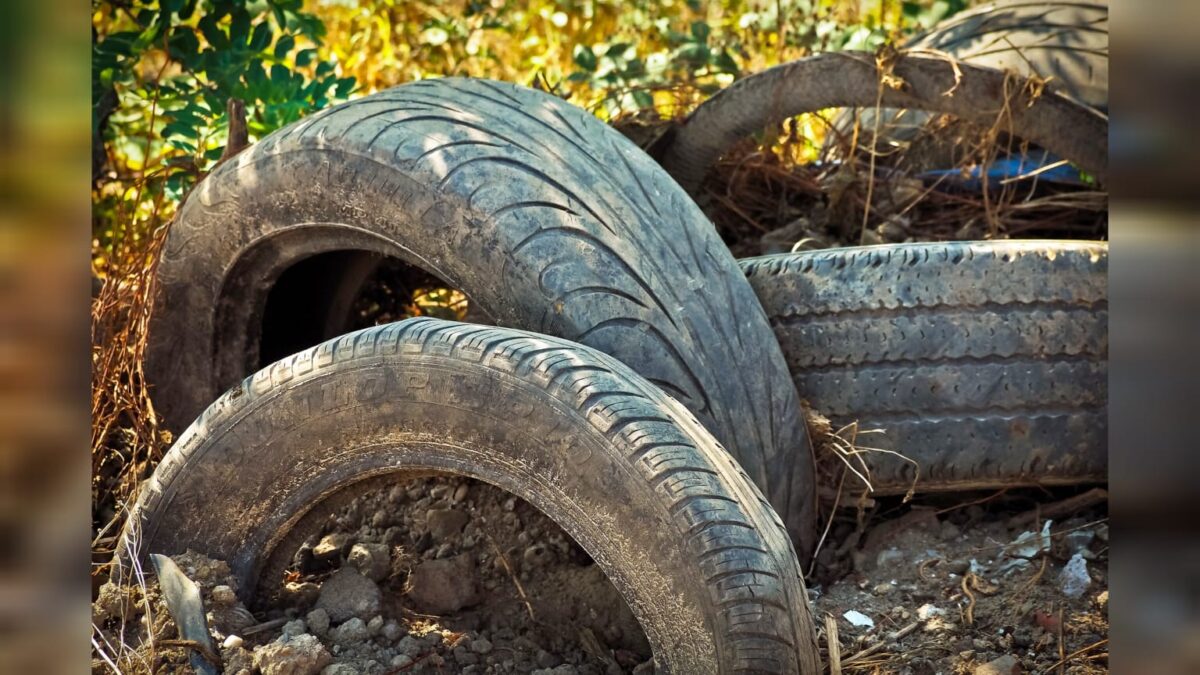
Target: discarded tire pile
[638, 389]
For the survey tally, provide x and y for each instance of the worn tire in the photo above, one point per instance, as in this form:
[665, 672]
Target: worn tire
[985, 362]
[691, 544]
[1064, 41]
[546, 218]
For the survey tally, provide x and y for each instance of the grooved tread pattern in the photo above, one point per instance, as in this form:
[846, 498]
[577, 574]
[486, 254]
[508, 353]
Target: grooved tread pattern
[546, 218]
[736, 543]
[984, 362]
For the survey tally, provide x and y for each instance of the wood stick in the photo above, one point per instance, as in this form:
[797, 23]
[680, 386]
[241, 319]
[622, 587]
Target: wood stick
[890, 637]
[834, 645]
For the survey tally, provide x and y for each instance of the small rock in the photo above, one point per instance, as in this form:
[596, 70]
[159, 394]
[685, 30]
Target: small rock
[545, 659]
[926, 611]
[350, 632]
[1005, 665]
[339, 669]
[318, 621]
[510, 504]
[391, 631]
[294, 628]
[238, 661]
[375, 625]
[445, 523]
[299, 655]
[224, 596]
[300, 594]
[857, 618]
[481, 646]
[401, 660]
[883, 589]
[460, 495]
[232, 642]
[332, 546]
[349, 594]
[1074, 579]
[371, 560]
[411, 646]
[444, 586]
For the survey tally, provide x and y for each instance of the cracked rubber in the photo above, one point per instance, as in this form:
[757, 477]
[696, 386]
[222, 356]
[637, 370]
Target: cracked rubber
[674, 522]
[546, 218]
[985, 362]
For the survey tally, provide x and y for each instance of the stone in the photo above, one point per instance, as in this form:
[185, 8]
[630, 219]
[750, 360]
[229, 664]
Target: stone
[339, 669]
[232, 642]
[1074, 578]
[445, 523]
[401, 661]
[481, 646]
[300, 594]
[224, 596]
[538, 555]
[332, 546]
[349, 594]
[1005, 665]
[444, 586]
[391, 631]
[350, 632]
[294, 628]
[371, 560]
[318, 621]
[298, 655]
[375, 625]
[411, 646]
[460, 495]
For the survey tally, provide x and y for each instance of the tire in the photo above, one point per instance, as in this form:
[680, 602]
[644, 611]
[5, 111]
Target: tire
[984, 362]
[547, 219]
[690, 543]
[1065, 42]
[839, 79]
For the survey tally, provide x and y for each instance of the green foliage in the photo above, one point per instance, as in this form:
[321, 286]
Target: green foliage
[166, 70]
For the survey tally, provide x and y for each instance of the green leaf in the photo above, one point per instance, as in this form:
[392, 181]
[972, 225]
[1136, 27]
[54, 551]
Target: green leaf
[700, 31]
[643, 98]
[616, 50]
[184, 47]
[724, 63]
[305, 56]
[261, 37]
[239, 27]
[284, 46]
[585, 58]
[578, 77]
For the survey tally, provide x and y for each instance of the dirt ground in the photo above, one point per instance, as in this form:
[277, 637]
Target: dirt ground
[455, 576]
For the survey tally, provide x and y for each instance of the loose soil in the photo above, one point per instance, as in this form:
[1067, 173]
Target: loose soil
[473, 580]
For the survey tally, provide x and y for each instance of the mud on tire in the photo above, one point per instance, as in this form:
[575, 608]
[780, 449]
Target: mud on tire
[691, 544]
[985, 362]
[547, 219]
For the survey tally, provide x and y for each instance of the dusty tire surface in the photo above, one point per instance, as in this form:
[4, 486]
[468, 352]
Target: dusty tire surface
[546, 218]
[677, 526]
[985, 362]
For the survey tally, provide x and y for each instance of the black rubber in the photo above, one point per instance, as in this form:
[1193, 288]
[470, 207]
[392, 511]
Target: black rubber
[546, 218]
[1063, 41]
[691, 544]
[985, 362]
